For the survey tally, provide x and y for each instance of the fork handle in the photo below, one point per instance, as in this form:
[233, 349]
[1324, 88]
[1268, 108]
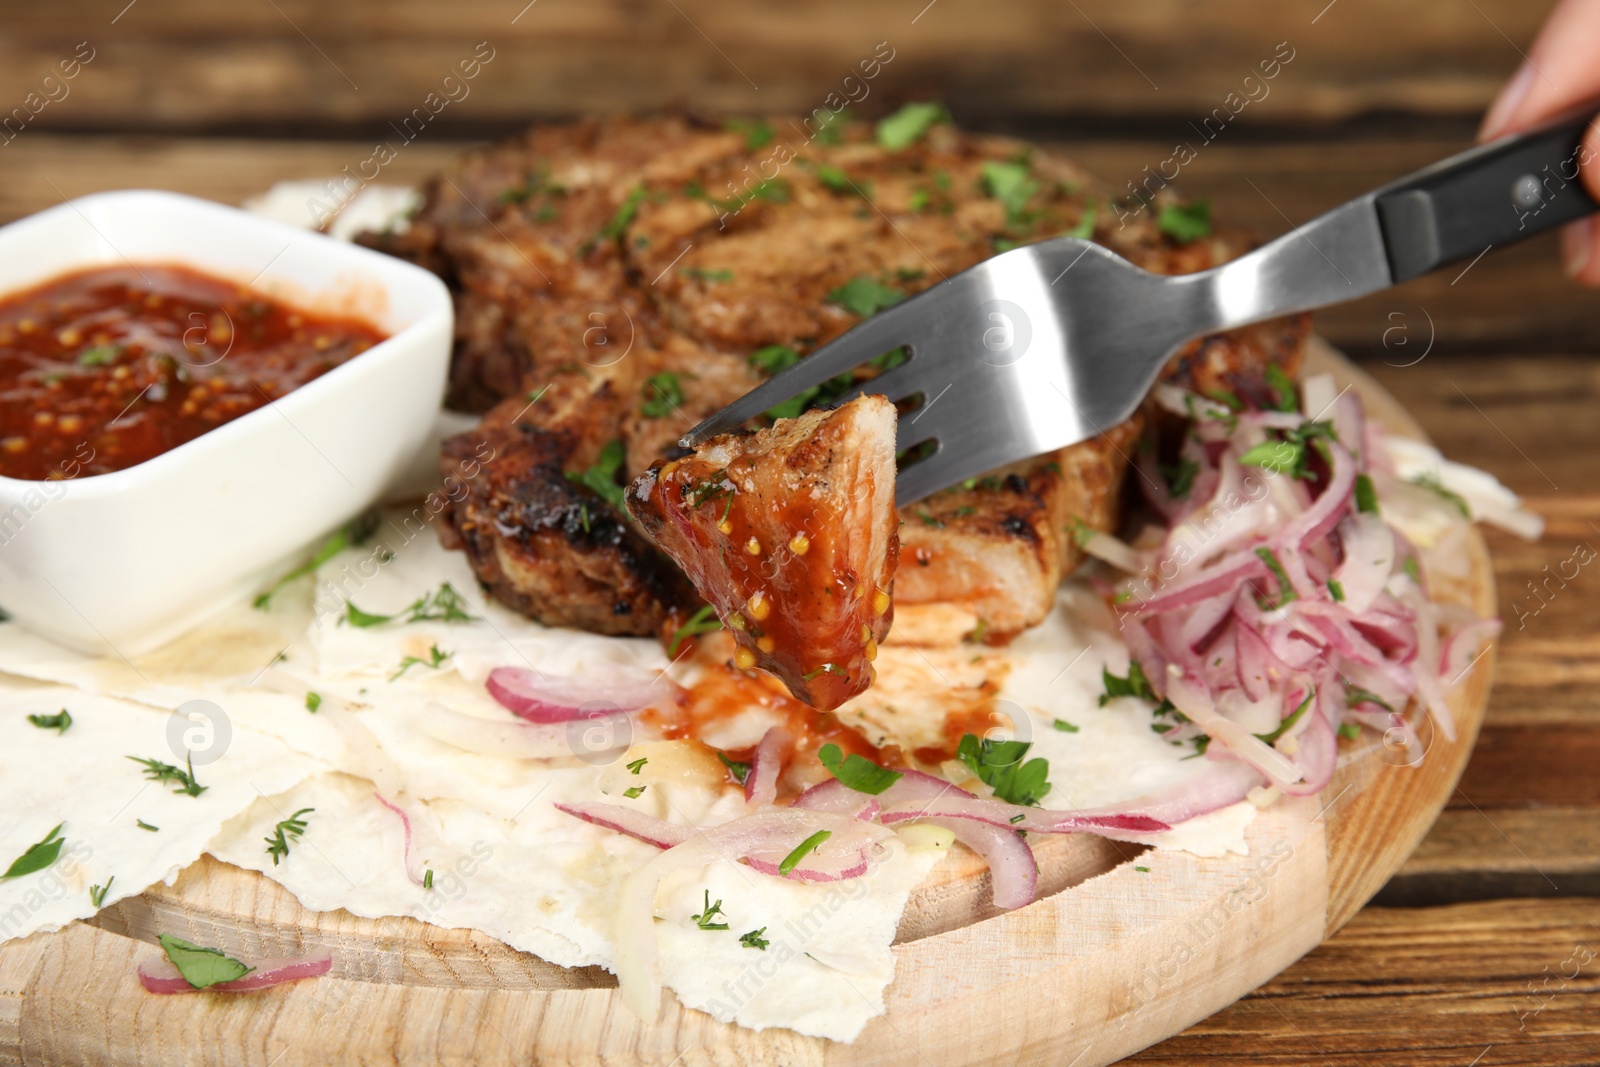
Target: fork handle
[1492, 195]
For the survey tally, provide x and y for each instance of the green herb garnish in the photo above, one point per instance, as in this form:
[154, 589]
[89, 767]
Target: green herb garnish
[1366, 495]
[313, 702]
[435, 659]
[740, 771]
[1286, 591]
[38, 856]
[355, 532]
[98, 355]
[1280, 457]
[166, 773]
[999, 765]
[708, 913]
[757, 134]
[1010, 184]
[1136, 684]
[1086, 221]
[1283, 727]
[864, 296]
[624, 216]
[663, 395]
[857, 772]
[1350, 730]
[906, 126]
[703, 621]
[1431, 482]
[286, 832]
[1285, 397]
[601, 477]
[754, 939]
[141, 824]
[1185, 222]
[202, 967]
[97, 893]
[637, 765]
[1336, 590]
[634, 792]
[58, 722]
[703, 275]
[427, 878]
[1065, 727]
[802, 850]
[442, 605]
[1357, 695]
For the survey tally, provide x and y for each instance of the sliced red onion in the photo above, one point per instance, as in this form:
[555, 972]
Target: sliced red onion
[1013, 870]
[761, 783]
[1016, 817]
[158, 975]
[634, 924]
[405, 821]
[555, 699]
[1229, 573]
[634, 823]
[1368, 560]
[515, 739]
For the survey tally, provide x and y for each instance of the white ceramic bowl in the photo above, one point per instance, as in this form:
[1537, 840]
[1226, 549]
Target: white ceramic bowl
[119, 563]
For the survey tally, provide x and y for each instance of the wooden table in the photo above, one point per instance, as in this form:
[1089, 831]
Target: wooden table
[1484, 948]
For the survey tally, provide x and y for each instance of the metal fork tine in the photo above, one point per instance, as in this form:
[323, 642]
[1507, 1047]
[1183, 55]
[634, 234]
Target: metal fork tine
[883, 332]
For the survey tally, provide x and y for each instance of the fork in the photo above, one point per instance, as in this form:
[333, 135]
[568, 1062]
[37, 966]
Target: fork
[1055, 342]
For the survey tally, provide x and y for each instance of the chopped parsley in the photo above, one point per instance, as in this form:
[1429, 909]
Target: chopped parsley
[999, 765]
[435, 660]
[1142, 870]
[1010, 184]
[141, 824]
[1065, 727]
[38, 855]
[703, 275]
[1086, 221]
[774, 358]
[634, 792]
[1284, 396]
[202, 967]
[97, 893]
[166, 773]
[1366, 495]
[839, 181]
[709, 913]
[905, 127]
[1356, 695]
[58, 722]
[601, 477]
[427, 878]
[1136, 684]
[864, 296]
[622, 219]
[857, 772]
[740, 771]
[757, 134]
[1294, 717]
[1431, 482]
[313, 701]
[1185, 222]
[663, 394]
[1180, 476]
[286, 832]
[442, 605]
[754, 939]
[355, 532]
[703, 621]
[802, 850]
[637, 765]
[1336, 590]
[1350, 730]
[1286, 591]
[98, 355]
[1279, 457]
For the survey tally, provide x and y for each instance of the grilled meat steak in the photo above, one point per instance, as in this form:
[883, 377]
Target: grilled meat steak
[670, 264]
[790, 534]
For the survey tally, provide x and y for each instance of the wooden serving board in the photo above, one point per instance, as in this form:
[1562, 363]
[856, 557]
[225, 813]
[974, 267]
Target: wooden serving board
[1114, 956]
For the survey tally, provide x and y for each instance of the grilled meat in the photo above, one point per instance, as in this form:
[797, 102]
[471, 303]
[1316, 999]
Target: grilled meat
[789, 534]
[674, 262]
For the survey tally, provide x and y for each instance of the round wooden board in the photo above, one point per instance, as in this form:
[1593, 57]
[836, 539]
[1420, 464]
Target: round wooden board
[1113, 957]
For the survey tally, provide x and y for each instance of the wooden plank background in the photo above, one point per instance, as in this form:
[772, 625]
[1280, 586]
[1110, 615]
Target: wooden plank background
[1465, 960]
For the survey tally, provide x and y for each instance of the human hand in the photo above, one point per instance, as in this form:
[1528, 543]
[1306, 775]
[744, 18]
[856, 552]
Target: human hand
[1562, 69]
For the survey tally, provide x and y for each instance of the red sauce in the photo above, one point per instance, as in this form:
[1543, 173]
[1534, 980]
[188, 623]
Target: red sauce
[109, 367]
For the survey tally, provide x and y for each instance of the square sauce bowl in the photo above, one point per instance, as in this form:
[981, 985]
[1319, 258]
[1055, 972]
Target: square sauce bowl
[119, 563]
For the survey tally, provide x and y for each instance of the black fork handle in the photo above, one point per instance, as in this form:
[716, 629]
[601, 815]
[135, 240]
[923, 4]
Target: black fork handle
[1489, 196]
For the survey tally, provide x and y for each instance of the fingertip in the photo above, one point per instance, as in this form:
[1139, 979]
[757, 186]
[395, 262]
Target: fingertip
[1579, 241]
[1498, 118]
